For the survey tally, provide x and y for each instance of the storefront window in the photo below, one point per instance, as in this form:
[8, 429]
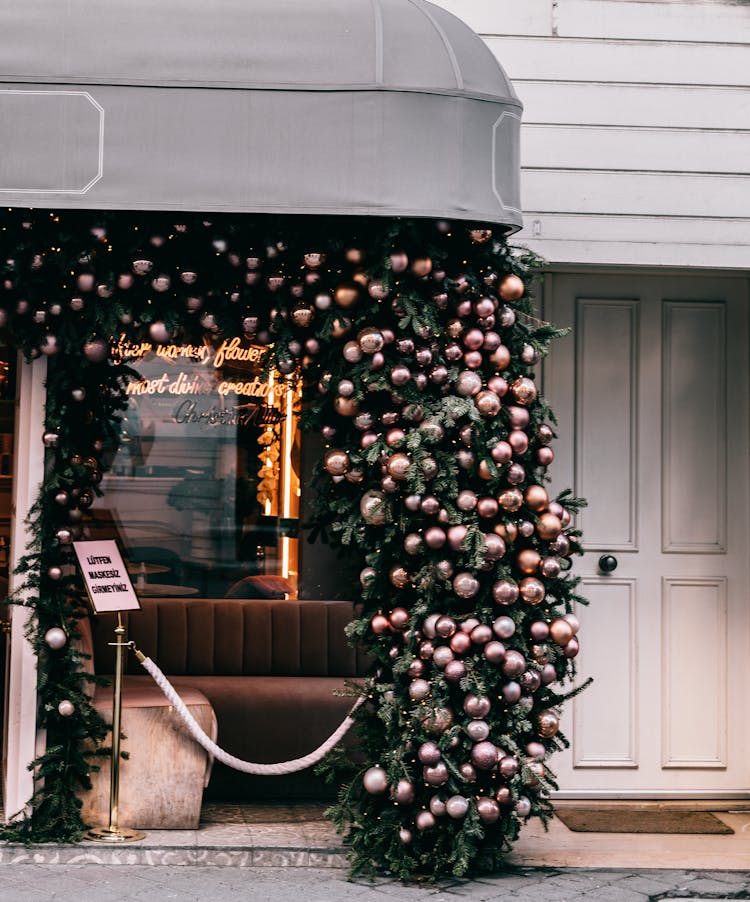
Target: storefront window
[203, 493]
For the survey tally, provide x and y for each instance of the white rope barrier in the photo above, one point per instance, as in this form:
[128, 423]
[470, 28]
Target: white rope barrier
[246, 767]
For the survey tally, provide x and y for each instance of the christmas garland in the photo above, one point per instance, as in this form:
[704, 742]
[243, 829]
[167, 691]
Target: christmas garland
[416, 342]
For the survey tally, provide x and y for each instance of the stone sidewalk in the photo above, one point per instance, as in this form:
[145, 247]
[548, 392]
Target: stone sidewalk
[187, 883]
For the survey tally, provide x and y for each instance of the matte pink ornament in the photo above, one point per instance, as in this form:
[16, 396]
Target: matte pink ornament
[498, 385]
[504, 627]
[572, 648]
[539, 630]
[424, 820]
[508, 766]
[468, 625]
[573, 621]
[514, 664]
[494, 652]
[477, 706]
[442, 656]
[545, 456]
[481, 634]
[429, 753]
[548, 674]
[375, 780]
[523, 807]
[455, 671]
[512, 692]
[403, 792]
[531, 681]
[468, 383]
[457, 807]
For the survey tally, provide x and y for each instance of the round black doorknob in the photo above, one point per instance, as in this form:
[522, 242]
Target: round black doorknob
[607, 563]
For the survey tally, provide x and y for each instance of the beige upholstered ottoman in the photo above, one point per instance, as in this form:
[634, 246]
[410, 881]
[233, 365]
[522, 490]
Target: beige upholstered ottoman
[162, 780]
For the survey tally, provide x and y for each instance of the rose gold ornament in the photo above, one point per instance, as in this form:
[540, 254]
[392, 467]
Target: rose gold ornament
[374, 508]
[488, 403]
[524, 391]
[456, 536]
[398, 465]
[468, 383]
[494, 651]
[504, 627]
[505, 592]
[346, 294]
[345, 407]
[548, 526]
[514, 664]
[488, 810]
[340, 326]
[510, 500]
[442, 656]
[465, 585]
[500, 357]
[399, 576]
[429, 753]
[419, 690]
[481, 634]
[515, 474]
[532, 590]
[528, 560]
[511, 288]
[561, 631]
[487, 508]
[572, 648]
[536, 498]
[518, 441]
[511, 692]
[573, 621]
[508, 766]
[545, 456]
[477, 706]
[539, 630]
[380, 625]
[457, 807]
[494, 547]
[437, 806]
[455, 671]
[548, 723]
[336, 462]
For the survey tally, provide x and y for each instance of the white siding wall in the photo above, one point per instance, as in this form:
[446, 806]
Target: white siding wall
[636, 136]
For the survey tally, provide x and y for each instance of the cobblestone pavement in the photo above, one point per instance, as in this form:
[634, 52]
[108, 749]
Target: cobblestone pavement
[128, 883]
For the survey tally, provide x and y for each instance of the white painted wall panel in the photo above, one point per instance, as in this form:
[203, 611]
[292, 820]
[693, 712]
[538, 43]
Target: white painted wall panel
[615, 148]
[589, 59]
[648, 101]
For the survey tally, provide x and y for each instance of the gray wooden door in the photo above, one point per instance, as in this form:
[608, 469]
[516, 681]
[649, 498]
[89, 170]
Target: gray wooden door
[651, 392]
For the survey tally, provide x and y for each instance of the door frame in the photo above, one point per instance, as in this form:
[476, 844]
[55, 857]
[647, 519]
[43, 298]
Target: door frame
[544, 293]
[20, 738]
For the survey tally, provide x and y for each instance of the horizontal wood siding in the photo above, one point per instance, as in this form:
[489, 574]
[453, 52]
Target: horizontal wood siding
[636, 135]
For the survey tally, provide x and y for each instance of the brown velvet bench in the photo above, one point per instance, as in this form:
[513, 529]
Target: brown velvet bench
[268, 669]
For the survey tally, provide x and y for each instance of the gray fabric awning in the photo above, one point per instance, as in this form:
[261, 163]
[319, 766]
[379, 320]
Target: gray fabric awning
[376, 107]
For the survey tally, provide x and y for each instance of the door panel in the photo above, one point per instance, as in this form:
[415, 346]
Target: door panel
[651, 393]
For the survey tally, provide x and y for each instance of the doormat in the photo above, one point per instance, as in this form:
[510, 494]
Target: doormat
[621, 819]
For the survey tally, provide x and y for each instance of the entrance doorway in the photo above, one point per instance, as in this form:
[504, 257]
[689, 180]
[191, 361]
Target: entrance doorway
[7, 429]
[651, 392]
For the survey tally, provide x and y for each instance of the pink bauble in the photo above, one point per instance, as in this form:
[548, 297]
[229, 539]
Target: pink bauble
[473, 359]
[545, 456]
[428, 753]
[501, 453]
[494, 651]
[426, 651]
[488, 810]
[488, 403]
[380, 625]
[539, 631]
[505, 591]
[523, 807]
[477, 730]
[405, 836]
[56, 638]
[403, 792]
[487, 508]
[436, 774]
[468, 772]
[532, 590]
[572, 648]
[510, 500]
[466, 500]
[95, 351]
[455, 671]
[573, 621]
[518, 441]
[494, 547]
[465, 459]
[508, 767]
[456, 536]
[514, 663]
[434, 537]
[484, 755]
[512, 692]
[442, 656]
[465, 585]
[352, 352]
[504, 796]
[457, 806]
[468, 625]
[400, 375]
[375, 780]
[399, 617]
[468, 383]
[504, 627]
[66, 708]
[424, 820]
[481, 634]
[515, 474]
[413, 543]
[419, 690]
[531, 681]
[477, 706]
[429, 505]
[460, 643]
[398, 465]
[473, 339]
[437, 806]
[445, 627]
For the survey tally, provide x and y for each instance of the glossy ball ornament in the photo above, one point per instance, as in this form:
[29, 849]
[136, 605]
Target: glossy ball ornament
[403, 792]
[504, 796]
[419, 690]
[445, 627]
[481, 634]
[375, 780]
[466, 500]
[455, 671]
[367, 577]
[524, 391]
[64, 535]
[494, 652]
[510, 500]
[416, 668]
[399, 576]
[561, 631]
[484, 755]
[539, 631]
[405, 836]
[66, 708]
[523, 807]
[457, 807]
[515, 474]
[550, 568]
[573, 621]
[560, 545]
[511, 692]
[501, 452]
[56, 638]
[518, 441]
[436, 774]
[545, 456]
[465, 585]
[514, 663]
[488, 403]
[460, 642]
[508, 766]
[468, 383]
[442, 656]
[336, 462]
[468, 772]
[398, 466]
[528, 560]
[494, 546]
[511, 288]
[504, 627]
[54, 573]
[456, 536]
[572, 648]
[488, 810]
[532, 590]
[428, 753]
[531, 681]
[477, 730]
[437, 806]
[477, 706]
[50, 345]
[548, 723]
[374, 508]
[95, 351]
[536, 498]
[424, 820]
[380, 625]
[548, 526]
[505, 591]
[346, 294]
[440, 720]
[345, 407]
[465, 459]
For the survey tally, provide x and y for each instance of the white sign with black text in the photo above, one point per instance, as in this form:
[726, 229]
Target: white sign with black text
[106, 577]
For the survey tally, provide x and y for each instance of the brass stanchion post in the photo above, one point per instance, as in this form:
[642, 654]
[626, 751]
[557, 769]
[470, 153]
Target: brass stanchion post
[114, 832]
